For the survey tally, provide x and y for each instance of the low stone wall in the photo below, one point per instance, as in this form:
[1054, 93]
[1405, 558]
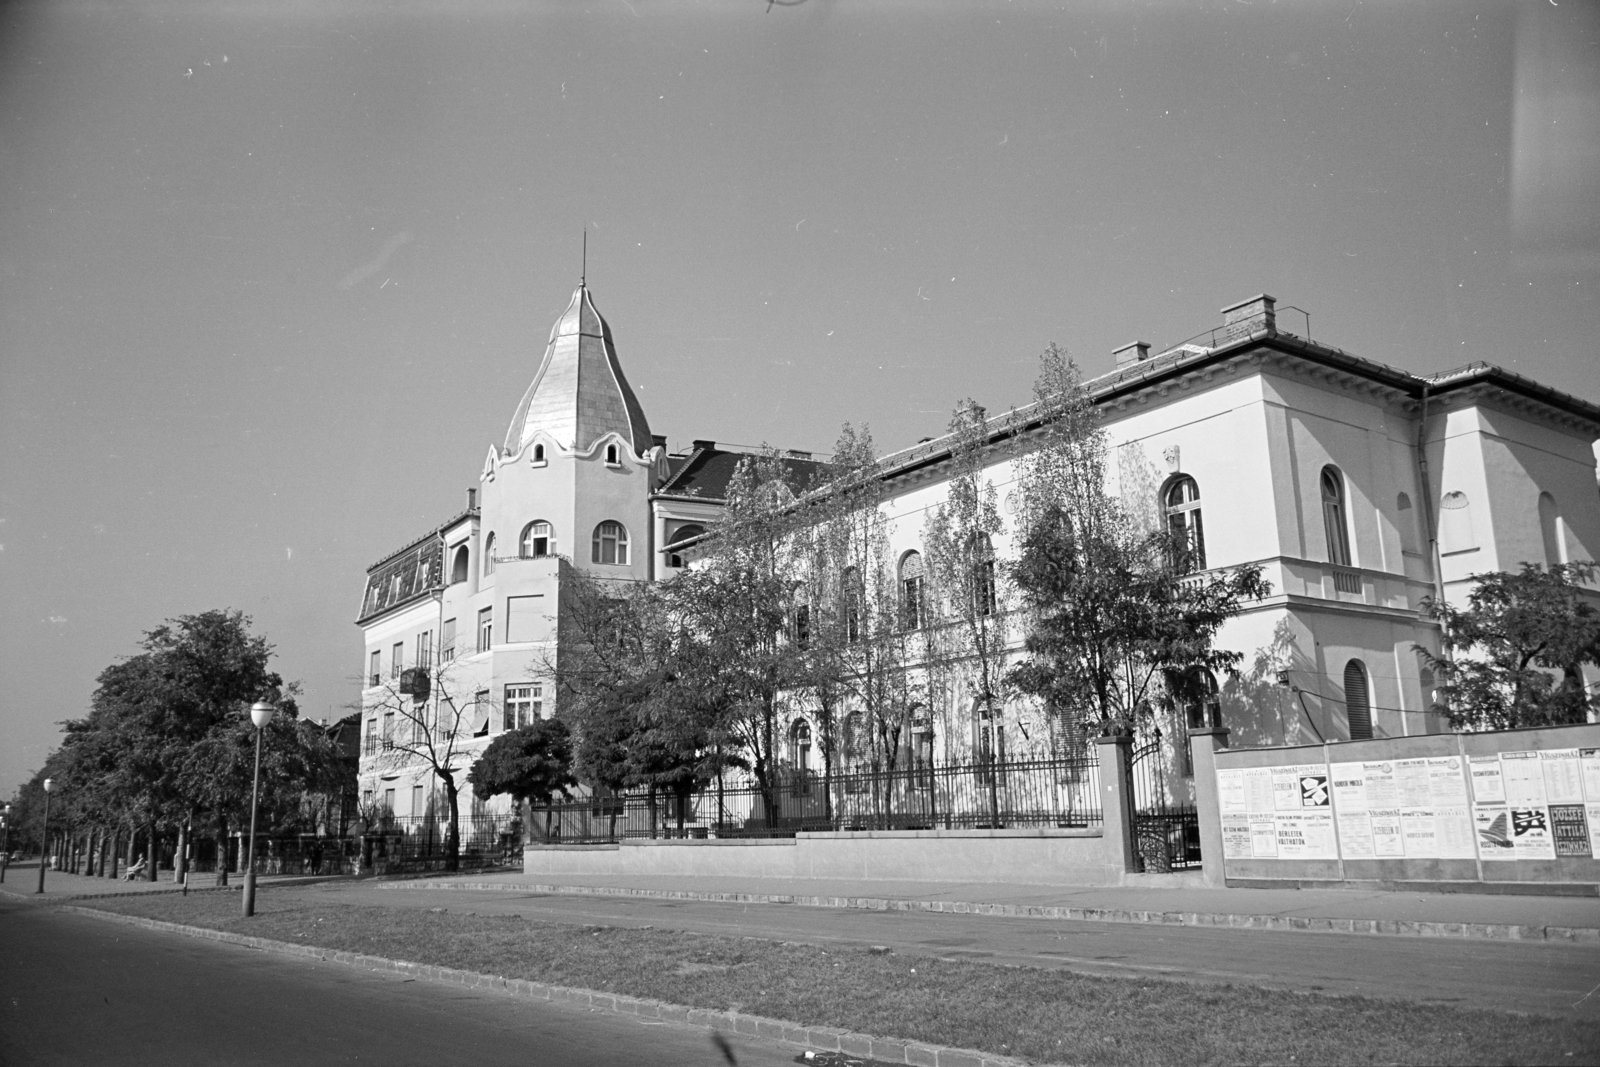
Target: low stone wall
[1032, 856]
[1487, 809]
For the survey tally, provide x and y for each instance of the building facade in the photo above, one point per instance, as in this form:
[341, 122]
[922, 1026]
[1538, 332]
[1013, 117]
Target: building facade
[1359, 489]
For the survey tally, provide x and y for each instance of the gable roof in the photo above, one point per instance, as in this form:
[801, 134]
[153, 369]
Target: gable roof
[705, 472]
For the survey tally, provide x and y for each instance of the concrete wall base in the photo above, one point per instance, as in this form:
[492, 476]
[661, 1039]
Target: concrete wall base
[1032, 856]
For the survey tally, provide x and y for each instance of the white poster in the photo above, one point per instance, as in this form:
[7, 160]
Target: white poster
[1589, 762]
[1591, 810]
[1387, 841]
[1530, 834]
[1258, 789]
[1418, 831]
[1349, 787]
[1486, 784]
[1230, 791]
[1411, 775]
[1383, 790]
[1563, 784]
[1524, 779]
[1447, 786]
[1263, 837]
[1493, 824]
[1236, 837]
[1306, 835]
[1355, 835]
[1454, 833]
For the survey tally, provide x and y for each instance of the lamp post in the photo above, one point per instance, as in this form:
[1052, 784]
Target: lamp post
[44, 835]
[260, 714]
[5, 842]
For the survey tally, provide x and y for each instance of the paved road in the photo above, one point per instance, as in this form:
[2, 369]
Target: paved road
[75, 990]
[1544, 977]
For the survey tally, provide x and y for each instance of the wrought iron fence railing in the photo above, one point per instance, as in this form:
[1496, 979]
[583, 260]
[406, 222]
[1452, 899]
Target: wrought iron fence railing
[977, 795]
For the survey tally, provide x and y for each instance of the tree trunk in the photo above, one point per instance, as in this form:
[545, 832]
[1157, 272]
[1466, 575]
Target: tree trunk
[155, 854]
[222, 848]
[180, 862]
[452, 842]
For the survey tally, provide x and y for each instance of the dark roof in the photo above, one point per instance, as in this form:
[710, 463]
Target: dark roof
[407, 573]
[705, 471]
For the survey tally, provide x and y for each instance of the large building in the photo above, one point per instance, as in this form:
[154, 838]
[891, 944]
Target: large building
[1359, 489]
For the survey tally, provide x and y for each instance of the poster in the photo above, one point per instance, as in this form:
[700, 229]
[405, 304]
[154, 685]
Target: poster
[1306, 835]
[1355, 835]
[1411, 778]
[1589, 769]
[1236, 837]
[1569, 830]
[1591, 812]
[1486, 784]
[1530, 834]
[1523, 778]
[1387, 840]
[1493, 825]
[1258, 789]
[1263, 836]
[1447, 805]
[1230, 791]
[1349, 786]
[1563, 783]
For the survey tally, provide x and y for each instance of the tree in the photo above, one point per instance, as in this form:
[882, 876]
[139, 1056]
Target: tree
[1514, 656]
[1115, 613]
[530, 763]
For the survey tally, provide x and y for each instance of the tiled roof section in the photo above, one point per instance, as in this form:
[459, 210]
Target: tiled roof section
[1187, 357]
[704, 473]
[579, 392]
[404, 577]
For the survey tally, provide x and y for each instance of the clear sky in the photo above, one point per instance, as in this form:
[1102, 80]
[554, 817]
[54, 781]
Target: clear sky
[274, 275]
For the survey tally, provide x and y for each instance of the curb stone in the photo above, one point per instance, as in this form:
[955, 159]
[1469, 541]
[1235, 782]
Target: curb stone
[1292, 923]
[820, 1038]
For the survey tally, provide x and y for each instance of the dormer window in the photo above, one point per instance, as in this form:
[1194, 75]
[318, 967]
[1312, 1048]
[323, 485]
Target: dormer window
[538, 454]
[612, 459]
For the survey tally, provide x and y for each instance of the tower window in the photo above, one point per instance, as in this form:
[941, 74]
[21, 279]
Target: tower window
[611, 456]
[538, 453]
[913, 610]
[1183, 523]
[1333, 517]
[458, 566]
[538, 540]
[488, 555]
[611, 544]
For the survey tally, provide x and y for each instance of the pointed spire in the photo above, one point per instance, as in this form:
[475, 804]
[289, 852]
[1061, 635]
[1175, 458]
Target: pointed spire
[579, 393]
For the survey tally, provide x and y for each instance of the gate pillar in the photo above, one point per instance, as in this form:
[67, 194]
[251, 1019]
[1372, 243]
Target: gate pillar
[1116, 802]
[1204, 744]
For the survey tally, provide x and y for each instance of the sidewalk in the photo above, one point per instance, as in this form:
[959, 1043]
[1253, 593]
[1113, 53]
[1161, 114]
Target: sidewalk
[59, 886]
[1323, 910]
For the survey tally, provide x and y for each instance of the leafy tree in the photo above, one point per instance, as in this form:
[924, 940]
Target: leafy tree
[1514, 656]
[1114, 611]
[530, 763]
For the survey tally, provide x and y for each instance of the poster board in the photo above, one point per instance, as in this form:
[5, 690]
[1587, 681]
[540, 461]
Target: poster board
[1541, 805]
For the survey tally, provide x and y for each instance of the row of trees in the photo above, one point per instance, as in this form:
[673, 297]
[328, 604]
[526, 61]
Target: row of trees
[166, 750]
[799, 605]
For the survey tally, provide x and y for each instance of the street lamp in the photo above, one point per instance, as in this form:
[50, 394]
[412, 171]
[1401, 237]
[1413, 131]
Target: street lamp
[260, 714]
[5, 842]
[44, 835]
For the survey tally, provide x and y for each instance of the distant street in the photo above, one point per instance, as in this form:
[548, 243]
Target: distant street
[75, 990]
[1543, 977]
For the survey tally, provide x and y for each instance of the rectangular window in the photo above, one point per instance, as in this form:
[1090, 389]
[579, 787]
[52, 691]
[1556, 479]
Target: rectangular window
[397, 662]
[371, 744]
[447, 641]
[388, 729]
[518, 706]
[802, 626]
[481, 707]
[417, 803]
[425, 648]
[366, 798]
[911, 602]
[485, 629]
[375, 675]
[984, 580]
[388, 801]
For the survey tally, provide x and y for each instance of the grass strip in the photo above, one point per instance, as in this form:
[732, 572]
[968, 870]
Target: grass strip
[1053, 1016]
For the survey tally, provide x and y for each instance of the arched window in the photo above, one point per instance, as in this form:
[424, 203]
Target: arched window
[983, 585]
[1550, 529]
[850, 594]
[611, 455]
[853, 746]
[488, 555]
[801, 628]
[922, 743]
[1357, 702]
[1333, 517]
[1183, 523]
[913, 604]
[1455, 523]
[682, 533]
[458, 565]
[538, 453]
[800, 745]
[538, 541]
[611, 544]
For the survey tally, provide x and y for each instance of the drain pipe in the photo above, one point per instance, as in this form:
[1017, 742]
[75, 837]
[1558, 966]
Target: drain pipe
[1435, 559]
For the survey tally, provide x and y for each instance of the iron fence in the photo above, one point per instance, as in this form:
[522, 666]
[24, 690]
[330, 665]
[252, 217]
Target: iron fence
[978, 795]
[421, 842]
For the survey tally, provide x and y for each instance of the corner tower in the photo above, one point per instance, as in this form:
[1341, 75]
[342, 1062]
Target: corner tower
[573, 475]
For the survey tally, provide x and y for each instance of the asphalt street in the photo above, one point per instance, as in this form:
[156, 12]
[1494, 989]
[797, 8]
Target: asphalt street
[77, 990]
[1545, 977]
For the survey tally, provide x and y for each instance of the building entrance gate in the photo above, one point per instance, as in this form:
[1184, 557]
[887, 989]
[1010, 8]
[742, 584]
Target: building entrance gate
[1166, 830]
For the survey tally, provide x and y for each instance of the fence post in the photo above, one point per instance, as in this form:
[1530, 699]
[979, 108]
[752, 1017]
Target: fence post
[1116, 801]
[1204, 744]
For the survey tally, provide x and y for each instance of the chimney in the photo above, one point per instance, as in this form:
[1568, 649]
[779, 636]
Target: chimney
[705, 445]
[472, 499]
[659, 440]
[1127, 355]
[1250, 316]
